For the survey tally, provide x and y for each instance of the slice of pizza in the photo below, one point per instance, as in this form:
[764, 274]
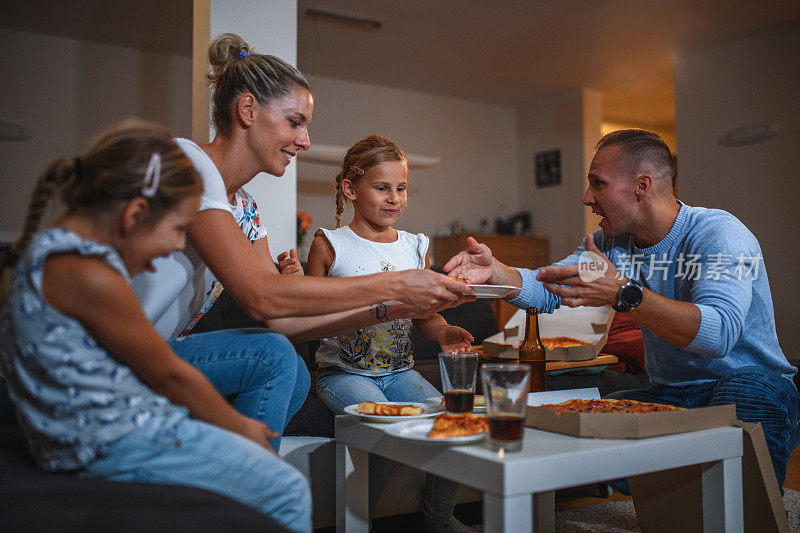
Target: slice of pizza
[562, 342]
[479, 401]
[372, 408]
[447, 426]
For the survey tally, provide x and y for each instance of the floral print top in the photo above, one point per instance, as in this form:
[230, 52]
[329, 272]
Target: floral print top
[383, 348]
[247, 216]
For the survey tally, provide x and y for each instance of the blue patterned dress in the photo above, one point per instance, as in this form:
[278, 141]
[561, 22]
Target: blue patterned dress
[71, 396]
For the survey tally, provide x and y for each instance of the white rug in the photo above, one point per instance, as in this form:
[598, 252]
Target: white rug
[620, 517]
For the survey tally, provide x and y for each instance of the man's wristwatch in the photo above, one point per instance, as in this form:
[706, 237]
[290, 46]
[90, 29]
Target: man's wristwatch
[630, 295]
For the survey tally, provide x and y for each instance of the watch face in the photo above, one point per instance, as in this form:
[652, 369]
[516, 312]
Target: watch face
[630, 295]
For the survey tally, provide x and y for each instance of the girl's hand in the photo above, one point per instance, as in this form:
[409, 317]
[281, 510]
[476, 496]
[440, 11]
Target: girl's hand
[259, 433]
[289, 264]
[454, 339]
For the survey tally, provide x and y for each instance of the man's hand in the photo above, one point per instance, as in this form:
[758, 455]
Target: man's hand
[565, 281]
[289, 264]
[454, 339]
[426, 289]
[473, 264]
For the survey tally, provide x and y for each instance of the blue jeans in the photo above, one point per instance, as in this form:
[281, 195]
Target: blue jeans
[256, 369]
[175, 449]
[759, 395]
[337, 389]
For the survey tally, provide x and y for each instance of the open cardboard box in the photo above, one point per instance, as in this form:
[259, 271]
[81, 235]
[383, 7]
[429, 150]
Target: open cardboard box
[671, 500]
[630, 426]
[589, 324]
[659, 495]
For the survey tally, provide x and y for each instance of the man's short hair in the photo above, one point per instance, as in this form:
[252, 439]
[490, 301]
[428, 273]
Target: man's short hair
[642, 152]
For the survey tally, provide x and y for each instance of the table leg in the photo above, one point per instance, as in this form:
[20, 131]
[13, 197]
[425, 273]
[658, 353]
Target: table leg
[544, 512]
[722, 496]
[510, 514]
[352, 489]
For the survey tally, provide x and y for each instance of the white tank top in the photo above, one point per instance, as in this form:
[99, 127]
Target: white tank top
[383, 348]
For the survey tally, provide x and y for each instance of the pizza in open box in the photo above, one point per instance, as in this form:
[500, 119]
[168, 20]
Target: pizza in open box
[609, 406]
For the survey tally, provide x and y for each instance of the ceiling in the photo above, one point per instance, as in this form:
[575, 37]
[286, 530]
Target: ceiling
[505, 51]
[499, 51]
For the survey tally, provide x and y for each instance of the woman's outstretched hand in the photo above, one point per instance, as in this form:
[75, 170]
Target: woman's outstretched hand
[289, 263]
[473, 264]
[426, 289]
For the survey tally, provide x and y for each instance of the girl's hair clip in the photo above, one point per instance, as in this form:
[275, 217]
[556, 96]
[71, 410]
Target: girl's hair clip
[357, 170]
[152, 176]
[243, 54]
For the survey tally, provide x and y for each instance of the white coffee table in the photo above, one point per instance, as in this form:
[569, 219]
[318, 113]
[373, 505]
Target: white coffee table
[518, 487]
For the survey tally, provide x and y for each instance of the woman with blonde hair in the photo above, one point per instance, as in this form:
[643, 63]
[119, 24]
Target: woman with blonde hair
[262, 111]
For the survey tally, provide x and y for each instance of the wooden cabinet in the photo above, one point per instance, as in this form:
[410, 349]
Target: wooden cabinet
[528, 251]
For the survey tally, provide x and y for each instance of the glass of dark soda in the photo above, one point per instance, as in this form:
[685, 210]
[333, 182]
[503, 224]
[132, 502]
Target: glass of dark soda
[506, 389]
[458, 380]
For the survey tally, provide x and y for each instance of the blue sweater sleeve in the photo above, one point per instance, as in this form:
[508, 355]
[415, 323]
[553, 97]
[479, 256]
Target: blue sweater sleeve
[533, 293]
[731, 260]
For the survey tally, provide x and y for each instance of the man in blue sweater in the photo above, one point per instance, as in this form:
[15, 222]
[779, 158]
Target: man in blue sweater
[693, 278]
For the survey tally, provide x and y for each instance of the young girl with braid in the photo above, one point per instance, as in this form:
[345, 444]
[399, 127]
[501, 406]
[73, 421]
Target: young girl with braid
[375, 363]
[97, 390]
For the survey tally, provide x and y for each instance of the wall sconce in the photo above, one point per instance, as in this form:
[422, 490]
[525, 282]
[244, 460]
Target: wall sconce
[749, 134]
[14, 132]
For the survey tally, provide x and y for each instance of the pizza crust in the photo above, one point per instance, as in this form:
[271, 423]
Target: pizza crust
[372, 408]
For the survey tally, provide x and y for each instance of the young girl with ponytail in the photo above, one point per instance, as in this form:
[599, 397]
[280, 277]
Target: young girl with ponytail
[97, 390]
[375, 363]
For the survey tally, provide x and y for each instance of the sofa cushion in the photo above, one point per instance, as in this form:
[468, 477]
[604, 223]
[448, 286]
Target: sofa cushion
[31, 500]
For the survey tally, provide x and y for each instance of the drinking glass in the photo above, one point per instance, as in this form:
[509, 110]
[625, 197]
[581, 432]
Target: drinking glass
[506, 389]
[458, 380]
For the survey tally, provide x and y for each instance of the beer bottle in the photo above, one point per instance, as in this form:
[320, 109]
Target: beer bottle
[531, 351]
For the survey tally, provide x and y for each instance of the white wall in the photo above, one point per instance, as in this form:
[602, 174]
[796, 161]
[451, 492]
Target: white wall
[477, 179]
[269, 27]
[569, 121]
[752, 80]
[67, 91]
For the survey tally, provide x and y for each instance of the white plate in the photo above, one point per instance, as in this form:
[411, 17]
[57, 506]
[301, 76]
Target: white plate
[437, 401]
[417, 430]
[492, 291]
[428, 410]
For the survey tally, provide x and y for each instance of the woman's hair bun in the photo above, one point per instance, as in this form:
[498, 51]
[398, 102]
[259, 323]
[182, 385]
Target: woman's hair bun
[222, 51]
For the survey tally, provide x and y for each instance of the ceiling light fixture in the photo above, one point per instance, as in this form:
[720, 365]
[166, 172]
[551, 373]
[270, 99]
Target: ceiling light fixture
[327, 16]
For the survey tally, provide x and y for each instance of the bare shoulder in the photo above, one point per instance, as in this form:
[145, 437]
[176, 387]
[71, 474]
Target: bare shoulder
[320, 256]
[72, 282]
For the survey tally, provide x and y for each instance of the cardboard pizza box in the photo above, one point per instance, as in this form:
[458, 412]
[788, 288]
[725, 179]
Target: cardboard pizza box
[656, 496]
[630, 426]
[589, 324]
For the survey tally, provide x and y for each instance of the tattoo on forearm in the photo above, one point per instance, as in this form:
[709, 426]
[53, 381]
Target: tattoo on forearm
[380, 311]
